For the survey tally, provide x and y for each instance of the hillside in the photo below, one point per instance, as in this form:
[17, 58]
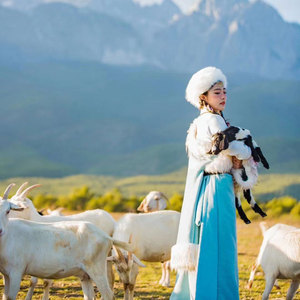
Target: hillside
[60, 119]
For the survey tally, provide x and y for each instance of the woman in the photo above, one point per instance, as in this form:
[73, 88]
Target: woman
[205, 255]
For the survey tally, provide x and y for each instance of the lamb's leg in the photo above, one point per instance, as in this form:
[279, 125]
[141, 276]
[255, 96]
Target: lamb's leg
[239, 208]
[250, 199]
[292, 290]
[262, 158]
[270, 280]
[33, 283]
[47, 284]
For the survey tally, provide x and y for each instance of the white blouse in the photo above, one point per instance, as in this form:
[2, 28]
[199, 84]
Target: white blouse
[199, 139]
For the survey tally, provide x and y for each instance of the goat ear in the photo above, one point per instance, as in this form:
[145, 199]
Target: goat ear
[130, 260]
[141, 207]
[20, 203]
[15, 207]
[137, 261]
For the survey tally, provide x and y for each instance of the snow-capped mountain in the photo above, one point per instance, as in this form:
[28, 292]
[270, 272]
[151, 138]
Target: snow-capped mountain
[237, 35]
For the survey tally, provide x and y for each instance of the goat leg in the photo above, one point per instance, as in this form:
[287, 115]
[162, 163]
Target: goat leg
[241, 211]
[262, 158]
[250, 199]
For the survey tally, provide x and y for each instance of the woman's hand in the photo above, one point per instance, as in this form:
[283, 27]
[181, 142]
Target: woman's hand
[236, 163]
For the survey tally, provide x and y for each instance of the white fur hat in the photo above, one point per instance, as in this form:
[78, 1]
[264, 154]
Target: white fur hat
[201, 82]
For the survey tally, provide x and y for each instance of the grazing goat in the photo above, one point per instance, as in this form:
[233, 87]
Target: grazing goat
[246, 177]
[102, 219]
[279, 257]
[154, 201]
[54, 250]
[152, 236]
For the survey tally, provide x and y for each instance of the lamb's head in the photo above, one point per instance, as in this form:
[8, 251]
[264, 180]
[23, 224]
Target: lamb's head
[219, 143]
[154, 201]
[5, 208]
[127, 266]
[20, 199]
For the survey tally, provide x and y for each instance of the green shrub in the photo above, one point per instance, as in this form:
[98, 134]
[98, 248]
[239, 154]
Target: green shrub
[44, 200]
[280, 206]
[175, 202]
[296, 210]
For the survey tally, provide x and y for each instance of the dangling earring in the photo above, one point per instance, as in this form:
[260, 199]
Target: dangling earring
[210, 109]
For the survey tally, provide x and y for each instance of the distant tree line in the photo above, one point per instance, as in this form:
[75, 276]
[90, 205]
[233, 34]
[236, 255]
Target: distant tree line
[82, 198]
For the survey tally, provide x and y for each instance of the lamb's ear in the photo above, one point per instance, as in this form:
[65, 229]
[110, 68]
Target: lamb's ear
[224, 144]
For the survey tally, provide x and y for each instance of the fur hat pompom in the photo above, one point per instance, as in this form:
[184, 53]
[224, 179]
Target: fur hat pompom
[201, 82]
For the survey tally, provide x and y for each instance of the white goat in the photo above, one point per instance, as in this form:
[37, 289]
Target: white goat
[154, 201]
[279, 257]
[152, 236]
[47, 282]
[98, 217]
[102, 219]
[55, 250]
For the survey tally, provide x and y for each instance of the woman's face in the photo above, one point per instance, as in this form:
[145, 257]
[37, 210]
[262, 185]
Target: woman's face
[216, 97]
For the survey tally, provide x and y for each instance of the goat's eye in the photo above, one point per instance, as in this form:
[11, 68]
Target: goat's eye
[7, 212]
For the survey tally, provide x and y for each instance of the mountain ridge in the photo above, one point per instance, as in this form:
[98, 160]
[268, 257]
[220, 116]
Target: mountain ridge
[121, 32]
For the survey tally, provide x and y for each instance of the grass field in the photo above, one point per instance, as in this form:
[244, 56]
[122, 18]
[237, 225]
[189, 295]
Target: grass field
[147, 287]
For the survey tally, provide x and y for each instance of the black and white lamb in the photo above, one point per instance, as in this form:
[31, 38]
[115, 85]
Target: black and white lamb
[245, 177]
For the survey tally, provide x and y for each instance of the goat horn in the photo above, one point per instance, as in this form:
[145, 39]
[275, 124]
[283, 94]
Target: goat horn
[6, 193]
[19, 191]
[24, 193]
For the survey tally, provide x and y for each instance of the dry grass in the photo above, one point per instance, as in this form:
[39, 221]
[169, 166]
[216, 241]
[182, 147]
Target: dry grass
[147, 287]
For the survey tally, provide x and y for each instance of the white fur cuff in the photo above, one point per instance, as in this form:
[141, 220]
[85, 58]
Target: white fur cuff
[184, 257]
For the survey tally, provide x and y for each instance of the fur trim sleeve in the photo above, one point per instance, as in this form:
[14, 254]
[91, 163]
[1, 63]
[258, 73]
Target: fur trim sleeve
[184, 256]
[194, 147]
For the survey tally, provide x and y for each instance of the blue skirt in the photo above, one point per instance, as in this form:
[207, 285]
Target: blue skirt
[214, 230]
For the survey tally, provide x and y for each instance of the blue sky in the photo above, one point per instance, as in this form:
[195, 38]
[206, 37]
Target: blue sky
[289, 9]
